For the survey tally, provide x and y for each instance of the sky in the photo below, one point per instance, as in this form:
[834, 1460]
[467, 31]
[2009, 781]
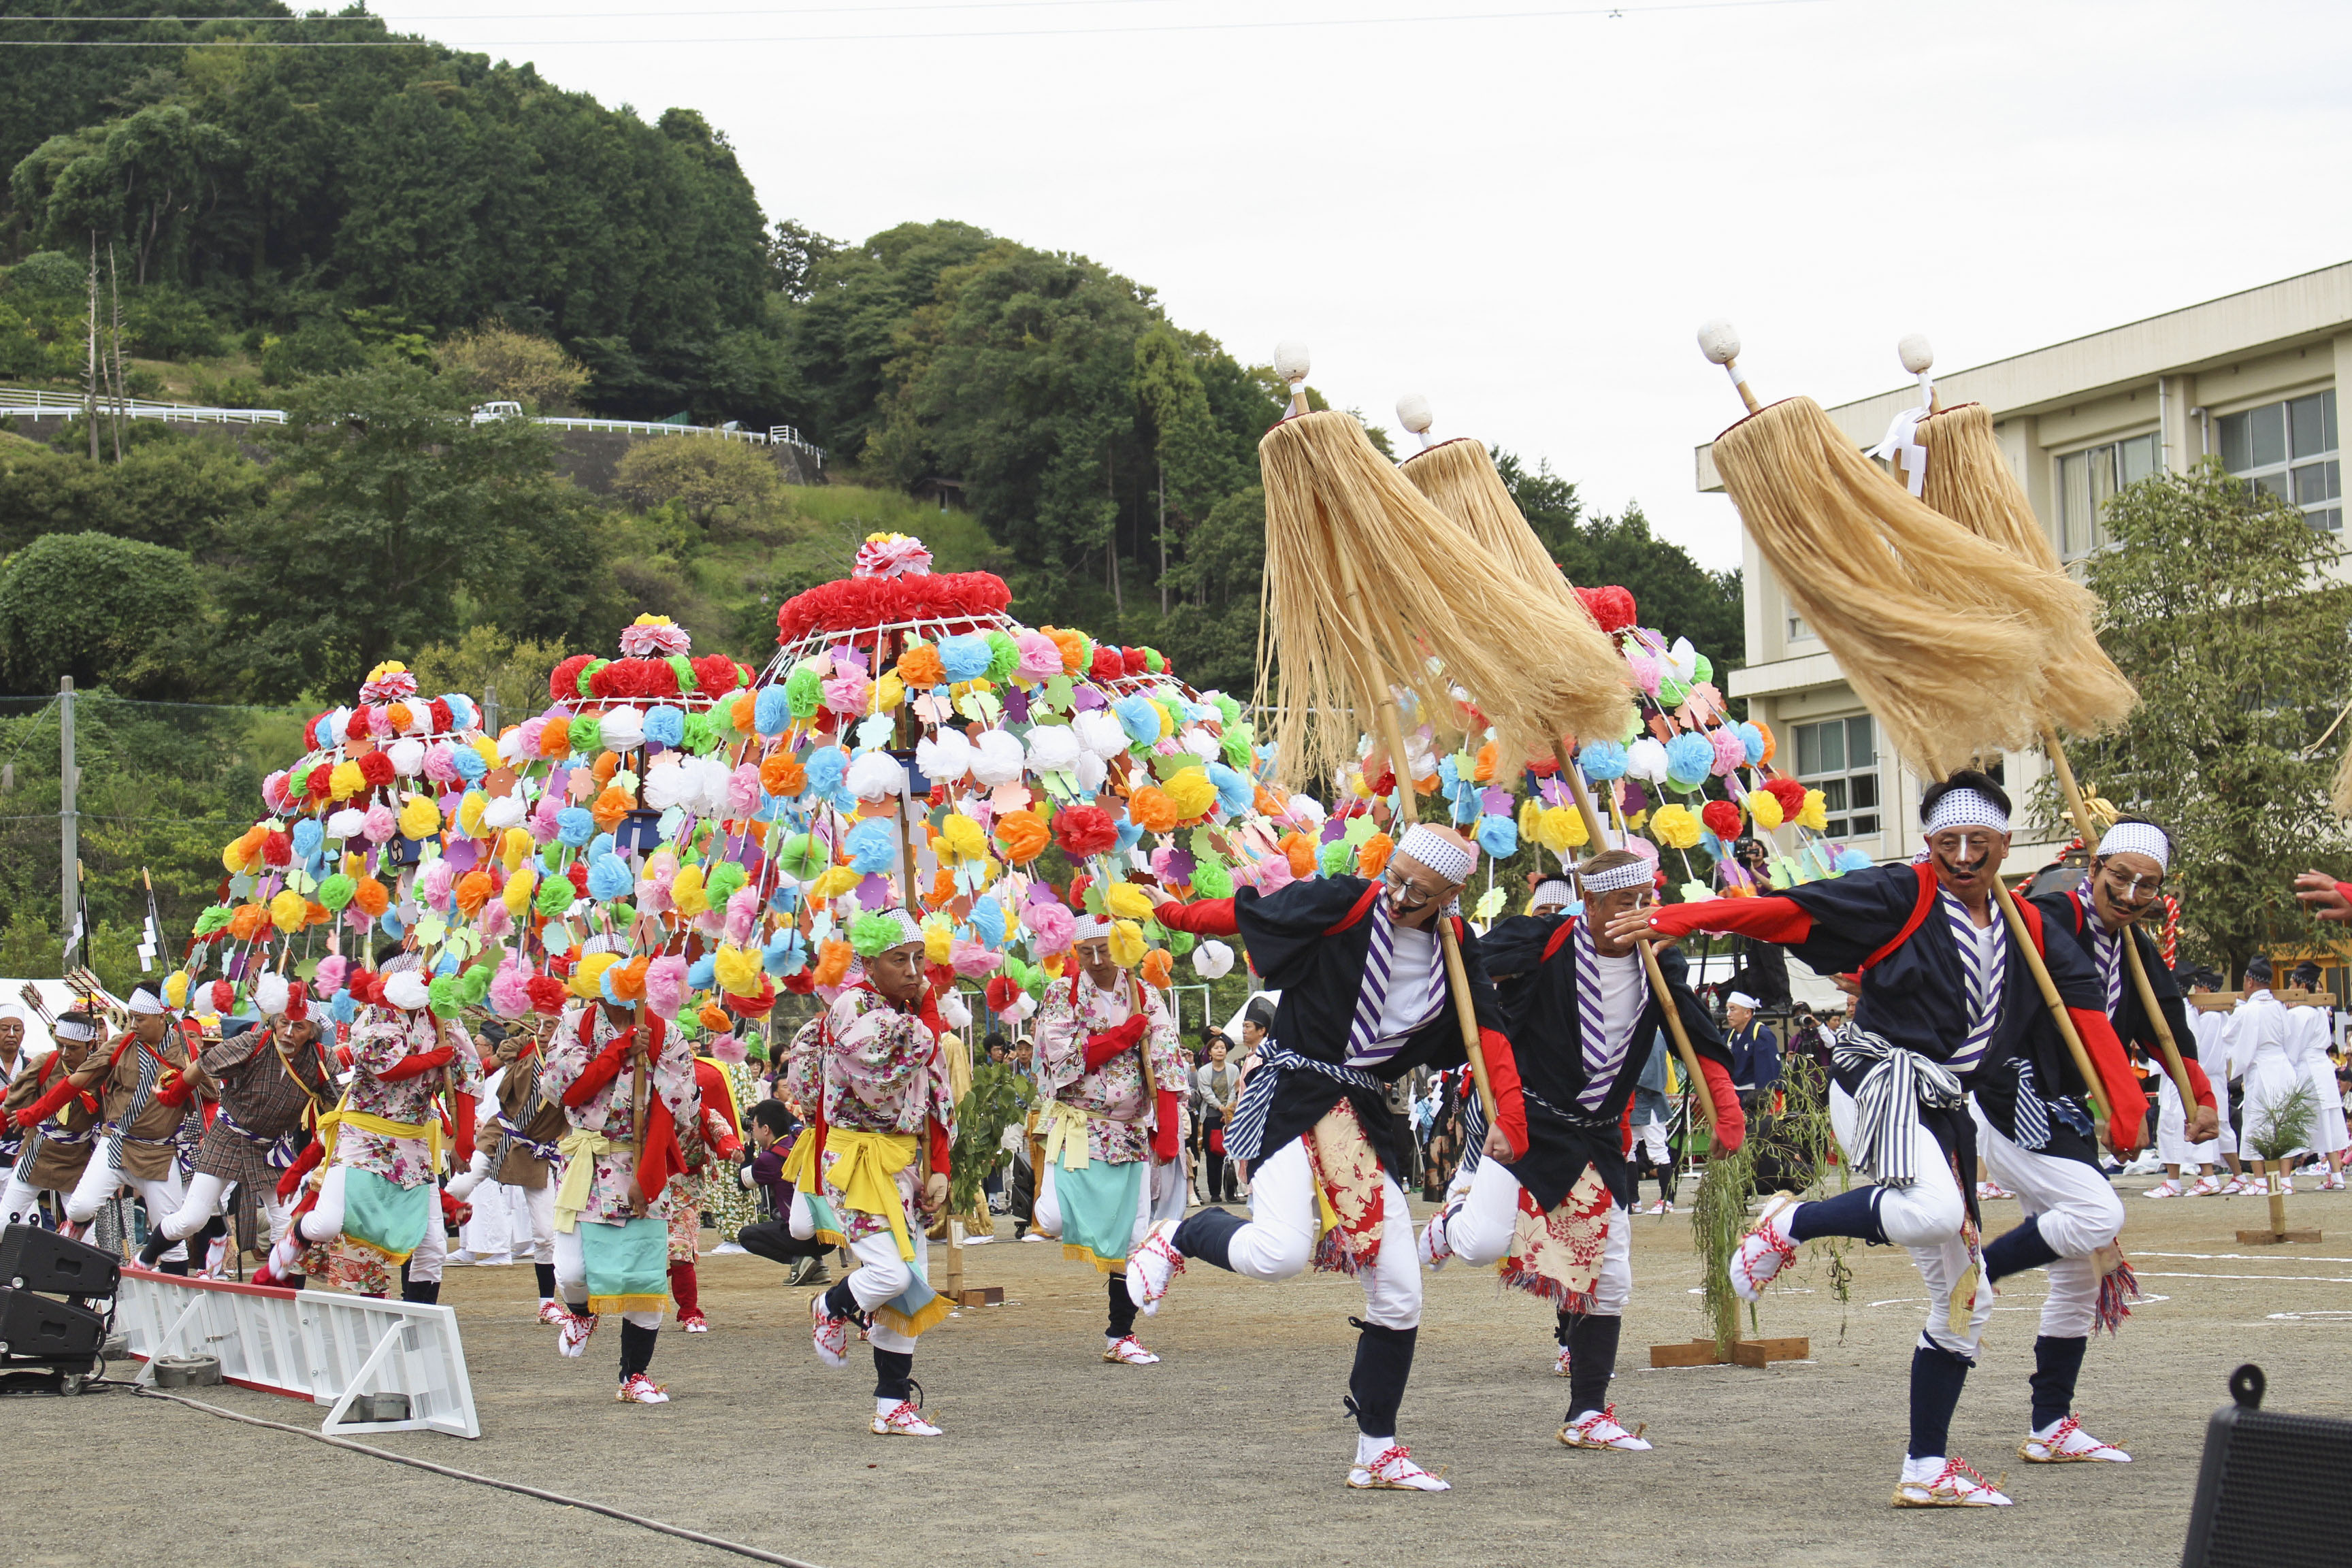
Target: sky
[1524, 210]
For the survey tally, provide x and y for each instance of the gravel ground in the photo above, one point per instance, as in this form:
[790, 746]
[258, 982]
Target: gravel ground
[1231, 1451]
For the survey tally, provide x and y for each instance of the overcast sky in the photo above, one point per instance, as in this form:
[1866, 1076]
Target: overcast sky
[1525, 217]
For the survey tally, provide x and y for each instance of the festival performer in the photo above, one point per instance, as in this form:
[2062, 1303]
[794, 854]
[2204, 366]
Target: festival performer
[871, 1169]
[58, 1118]
[2216, 1172]
[1113, 1167]
[2123, 888]
[708, 1139]
[1365, 1000]
[1949, 1009]
[2314, 1027]
[612, 1249]
[269, 1079]
[518, 1148]
[1558, 1219]
[13, 1058]
[377, 1204]
[147, 1096]
[2262, 1046]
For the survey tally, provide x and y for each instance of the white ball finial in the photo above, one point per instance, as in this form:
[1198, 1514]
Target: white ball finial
[1290, 360]
[1413, 413]
[1719, 341]
[1916, 357]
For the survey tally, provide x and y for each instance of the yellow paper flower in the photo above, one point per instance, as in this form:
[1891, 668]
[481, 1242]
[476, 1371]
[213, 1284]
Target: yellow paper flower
[685, 890]
[420, 817]
[470, 813]
[345, 781]
[1127, 945]
[888, 692]
[1764, 809]
[1674, 826]
[518, 890]
[1193, 793]
[738, 970]
[1126, 901]
[832, 884]
[1815, 813]
[514, 847]
[288, 909]
[964, 839]
[175, 989]
[591, 970]
[939, 941]
[1561, 828]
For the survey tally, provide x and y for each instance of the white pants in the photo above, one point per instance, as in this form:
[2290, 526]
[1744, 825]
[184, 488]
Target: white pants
[571, 1280]
[1279, 1239]
[2329, 1133]
[205, 1199]
[2079, 1213]
[504, 1221]
[100, 1181]
[1480, 1234]
[1652, 1135]
[2228, 1142]
[2172, 1144]
[1162, 1195]
[20, 1203]
[880, 1274]
[325, 1221]
[1925, 1219]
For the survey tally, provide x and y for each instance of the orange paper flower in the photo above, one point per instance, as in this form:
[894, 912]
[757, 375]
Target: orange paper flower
[318, 915]
[739, 711]
[782, 774]
[831, 962]
[606, 764]
[400, 716]
[1483, 770]
[920, 667]
[1158, 968]
[555, 740]
[249, 921]
[1301, 852]
[1150, 809]
[1023, 835]
[1072, 645]
[610, 807]
[473, 892]
[629, 980]
[714, 1019]
[371, 897]
[1372, 855]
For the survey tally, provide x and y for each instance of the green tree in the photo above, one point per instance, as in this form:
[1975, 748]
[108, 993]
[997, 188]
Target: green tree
[101, 609]
[486, 659]
[2223, 608]
[140, 180]
[700, 474]
[391, 504]
[494, 361]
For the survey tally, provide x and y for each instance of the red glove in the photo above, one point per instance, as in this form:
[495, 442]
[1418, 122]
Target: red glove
[304, 1164]
[1163, 1132]
[48, 1104]
[1101, 1048]
[1730, 1121]
[601, 1070]
[419, 1062]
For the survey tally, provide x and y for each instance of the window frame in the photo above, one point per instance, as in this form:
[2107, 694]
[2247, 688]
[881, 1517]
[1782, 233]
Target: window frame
[2325, 514]
[1846, 815]
[2107, 450]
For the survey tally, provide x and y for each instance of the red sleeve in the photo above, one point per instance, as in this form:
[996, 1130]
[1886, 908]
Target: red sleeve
[942, 1148]
[664, 1158]
[1101, 1048]
[1205, 916]
[465, 1110]
[416, 1062]
[1730, 1121]
[2344, 891]
[48, 1104]
[1163, 1133]
[2200, 1083]
[291, 1182]
[1503, 1078]
[2127, 1101]
[602, 1069]
[450, 1207]
[1770, 919]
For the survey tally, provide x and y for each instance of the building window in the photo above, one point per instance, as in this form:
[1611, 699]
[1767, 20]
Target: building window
[2289, 449]
[1840, 758]
[2088, 481]
[1798, 629]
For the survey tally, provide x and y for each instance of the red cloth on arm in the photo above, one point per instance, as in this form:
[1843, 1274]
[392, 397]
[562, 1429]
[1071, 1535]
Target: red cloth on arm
[304, 1164]
[602, 1069]
[418, 1062]
[1730, 1121]
[2200, 1083]
[1206, 917]
[1119, 1037]
[464, 1137]
[942, 1148]
[1163, 1132]
[48, 1104]
[664, 1158]
[1769, 919]
[1503, 1078]
[2127, 1101]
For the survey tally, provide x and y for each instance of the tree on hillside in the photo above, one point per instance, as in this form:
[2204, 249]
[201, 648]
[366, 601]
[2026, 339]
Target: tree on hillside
[108, 612]
[2223, 608]
[700, 474]
[486, 660]
[494, 361]
[391, 506]
[143, 180]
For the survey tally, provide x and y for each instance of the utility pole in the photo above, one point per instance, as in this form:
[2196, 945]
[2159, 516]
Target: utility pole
[1163, 538]
[68, 776]
[89, 385]
[491, 712]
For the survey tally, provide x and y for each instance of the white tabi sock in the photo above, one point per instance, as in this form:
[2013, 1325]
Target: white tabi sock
[1371, 1449]
[1923, 1470]
[884, 1405]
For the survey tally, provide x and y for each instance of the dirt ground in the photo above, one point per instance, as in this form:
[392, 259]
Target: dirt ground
[1233, 1449]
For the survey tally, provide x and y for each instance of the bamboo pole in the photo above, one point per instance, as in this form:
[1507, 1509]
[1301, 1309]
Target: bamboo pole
[1374, 681]
[2051, 999]
[1682, 1047]
[2173, 1066]
[637, 1039]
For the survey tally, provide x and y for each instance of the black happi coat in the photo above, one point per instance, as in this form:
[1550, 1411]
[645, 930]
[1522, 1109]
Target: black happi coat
[1311, 941]
[1539, 991]
[1916, 994]
[2068, 914]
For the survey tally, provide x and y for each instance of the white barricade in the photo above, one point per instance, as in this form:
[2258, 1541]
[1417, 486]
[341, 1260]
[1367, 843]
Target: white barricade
[319, 1345]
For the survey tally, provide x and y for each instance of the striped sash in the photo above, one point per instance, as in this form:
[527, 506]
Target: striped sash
[1986, 962]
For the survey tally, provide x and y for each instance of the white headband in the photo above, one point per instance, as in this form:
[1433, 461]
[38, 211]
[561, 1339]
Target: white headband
[1635, 873]
[1551, 889]
[1741, 999]
[1442, 853]
[1088, 926]
[2138, 838]
[1966, 808]
[74, 1032]
[145, 1005]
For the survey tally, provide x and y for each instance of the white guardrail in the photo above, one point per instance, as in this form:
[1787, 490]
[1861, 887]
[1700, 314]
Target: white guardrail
[40, 404]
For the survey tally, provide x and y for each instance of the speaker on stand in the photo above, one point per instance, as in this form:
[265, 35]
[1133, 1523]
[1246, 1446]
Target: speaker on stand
[56, 1303]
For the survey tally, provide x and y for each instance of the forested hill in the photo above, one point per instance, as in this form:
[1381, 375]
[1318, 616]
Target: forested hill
[279, 217]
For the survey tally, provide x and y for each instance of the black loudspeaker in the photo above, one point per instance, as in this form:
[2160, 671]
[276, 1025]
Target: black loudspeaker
[32, 1258]
[42, 1328]
[2275, 1492]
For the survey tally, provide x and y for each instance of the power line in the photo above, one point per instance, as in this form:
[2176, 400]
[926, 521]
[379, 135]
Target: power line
[1611, 11]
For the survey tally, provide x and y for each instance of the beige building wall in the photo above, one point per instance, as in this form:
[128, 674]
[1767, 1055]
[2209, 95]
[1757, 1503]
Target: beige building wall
[2155, 391]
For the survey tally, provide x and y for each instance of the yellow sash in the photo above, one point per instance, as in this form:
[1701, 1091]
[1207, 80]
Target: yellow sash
[578, 1149]
[1066, 1134]
[343, 1116]
[865, 1168]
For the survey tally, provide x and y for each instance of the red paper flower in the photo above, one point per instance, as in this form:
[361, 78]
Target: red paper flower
[547, 995]
[376, 769]
[563, 685]
[223, 996]
[1722, 819]
[1134, 660]
[443, 719]
[1107, 664]
[954, 600]
[1790, 793]
[578, 874]
[715, 675]
[319, 782]
[1084, 830]
[1612, 607]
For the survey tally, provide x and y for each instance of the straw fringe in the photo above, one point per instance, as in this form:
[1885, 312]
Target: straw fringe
[1427, 597]
[1940, 632]
[1458, 478]
[2341, 789]
[1969, 481]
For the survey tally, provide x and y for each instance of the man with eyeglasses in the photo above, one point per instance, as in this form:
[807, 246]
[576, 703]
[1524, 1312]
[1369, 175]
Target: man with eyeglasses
[1365, 1000]
[1951, 1048]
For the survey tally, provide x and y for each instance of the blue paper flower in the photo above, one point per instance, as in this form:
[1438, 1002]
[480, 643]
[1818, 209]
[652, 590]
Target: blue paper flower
[1498, 837]
[574, 827]
[1601, 760]
[665, 726]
